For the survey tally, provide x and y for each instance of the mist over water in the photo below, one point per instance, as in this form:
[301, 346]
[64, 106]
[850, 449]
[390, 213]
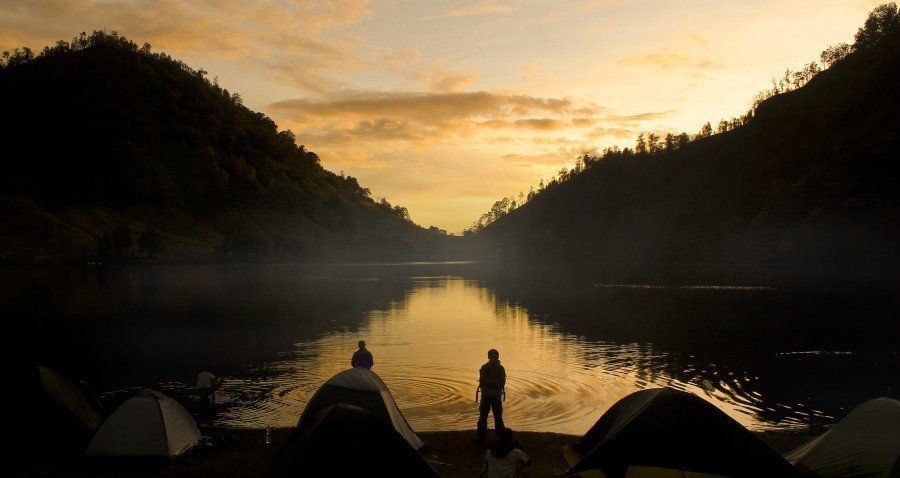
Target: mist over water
[571, 348]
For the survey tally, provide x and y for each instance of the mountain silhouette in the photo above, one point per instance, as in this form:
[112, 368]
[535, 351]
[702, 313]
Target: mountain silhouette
[113, 152]
[809, 182]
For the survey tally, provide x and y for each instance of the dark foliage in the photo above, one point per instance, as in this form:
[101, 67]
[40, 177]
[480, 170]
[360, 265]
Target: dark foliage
[102, 124]
[809, 179]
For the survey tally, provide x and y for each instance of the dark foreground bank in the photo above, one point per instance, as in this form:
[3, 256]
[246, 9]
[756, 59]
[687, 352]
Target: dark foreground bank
[452, 454]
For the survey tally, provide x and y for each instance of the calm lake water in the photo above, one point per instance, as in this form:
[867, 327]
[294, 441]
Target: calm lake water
[772, 356]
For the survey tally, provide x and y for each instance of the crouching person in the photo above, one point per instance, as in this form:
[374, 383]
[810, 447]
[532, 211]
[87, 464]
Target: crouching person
[505, 459]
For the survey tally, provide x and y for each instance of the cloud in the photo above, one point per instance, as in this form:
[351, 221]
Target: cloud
[436, 109]
[583, 122]
[618, 133]
[638, 117]
[665, 59]
[551, 158]
[450, 81]
[476, 10]
[596, 4]
[557, 158]
[380, 130]
[421, 119]
[263, 34]
[545, 124]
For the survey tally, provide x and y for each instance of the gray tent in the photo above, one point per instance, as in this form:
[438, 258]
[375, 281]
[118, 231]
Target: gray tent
[360, 387]
[865, 443]
[148, 424]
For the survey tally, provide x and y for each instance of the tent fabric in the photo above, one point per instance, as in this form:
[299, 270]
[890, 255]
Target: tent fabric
[664, 428]
[864, 443]
[54, 416]
[149, 424]
[363, 388]
[345, 440]
[71, 397]
[648, 472]
[358, 378]
[655, 472]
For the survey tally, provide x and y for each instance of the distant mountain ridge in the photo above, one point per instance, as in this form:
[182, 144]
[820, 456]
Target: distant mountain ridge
[810, 181]
[112, 152]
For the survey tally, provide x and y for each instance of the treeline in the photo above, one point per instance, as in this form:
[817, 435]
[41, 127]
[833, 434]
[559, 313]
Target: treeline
[119, 245]
[105, 133]
[881, 22]
[228, 169]
[808, 182]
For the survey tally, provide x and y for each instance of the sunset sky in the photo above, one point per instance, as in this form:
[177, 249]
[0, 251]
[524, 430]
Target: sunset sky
[444, 107]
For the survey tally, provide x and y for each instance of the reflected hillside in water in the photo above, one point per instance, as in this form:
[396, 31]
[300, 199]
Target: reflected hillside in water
[772, 356]
[790, 351]
[137, 326]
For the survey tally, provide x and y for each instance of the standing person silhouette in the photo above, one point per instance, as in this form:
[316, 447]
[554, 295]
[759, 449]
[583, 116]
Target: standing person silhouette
[362, 357]
[491, 382]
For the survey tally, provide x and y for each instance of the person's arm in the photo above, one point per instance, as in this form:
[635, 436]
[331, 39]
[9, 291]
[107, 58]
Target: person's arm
[502, 378]
[371, 360]
[524, 460]
[353, 360]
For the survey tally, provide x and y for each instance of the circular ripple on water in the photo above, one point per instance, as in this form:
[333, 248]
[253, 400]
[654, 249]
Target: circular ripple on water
[428, 391]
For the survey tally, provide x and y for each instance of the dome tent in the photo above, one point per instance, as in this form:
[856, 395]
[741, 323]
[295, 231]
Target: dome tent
[360, 387]
[148, 424]
[864, 443]
[661, 431]
[345, 440]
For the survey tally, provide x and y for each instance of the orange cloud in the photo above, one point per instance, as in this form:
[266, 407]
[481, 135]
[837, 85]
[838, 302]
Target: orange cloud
[532, 159]
[637, 117]
[450, 81]
[427, 108]
[618, 133]
[665, 59]
[256, 33]
[546, 124]
[476, 10]
[583, 122]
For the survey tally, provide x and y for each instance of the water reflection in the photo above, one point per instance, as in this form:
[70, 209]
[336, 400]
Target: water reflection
[770, 356]
[429, 345]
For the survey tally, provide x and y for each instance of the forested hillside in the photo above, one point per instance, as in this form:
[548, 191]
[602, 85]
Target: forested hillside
[807, 179]
[112, 152]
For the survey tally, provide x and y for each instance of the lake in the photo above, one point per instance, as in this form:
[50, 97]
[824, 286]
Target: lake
[772, 354]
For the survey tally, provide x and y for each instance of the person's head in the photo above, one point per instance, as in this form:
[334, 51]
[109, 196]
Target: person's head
[504, 443]
[493, 354]
[362, 344]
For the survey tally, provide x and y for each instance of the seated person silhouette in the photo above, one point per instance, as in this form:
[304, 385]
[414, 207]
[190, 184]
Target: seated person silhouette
[362, 357]
[206, 387]
[505, 459]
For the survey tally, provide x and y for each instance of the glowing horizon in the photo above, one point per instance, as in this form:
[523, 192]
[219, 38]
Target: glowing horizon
[448, 106]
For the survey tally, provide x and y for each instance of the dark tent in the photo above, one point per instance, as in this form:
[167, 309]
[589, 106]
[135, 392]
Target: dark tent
[665, 429]
[56, 416]
[363, 388]
[344, 440]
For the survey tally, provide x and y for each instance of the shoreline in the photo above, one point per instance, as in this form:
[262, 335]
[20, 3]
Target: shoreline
[453, 454]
